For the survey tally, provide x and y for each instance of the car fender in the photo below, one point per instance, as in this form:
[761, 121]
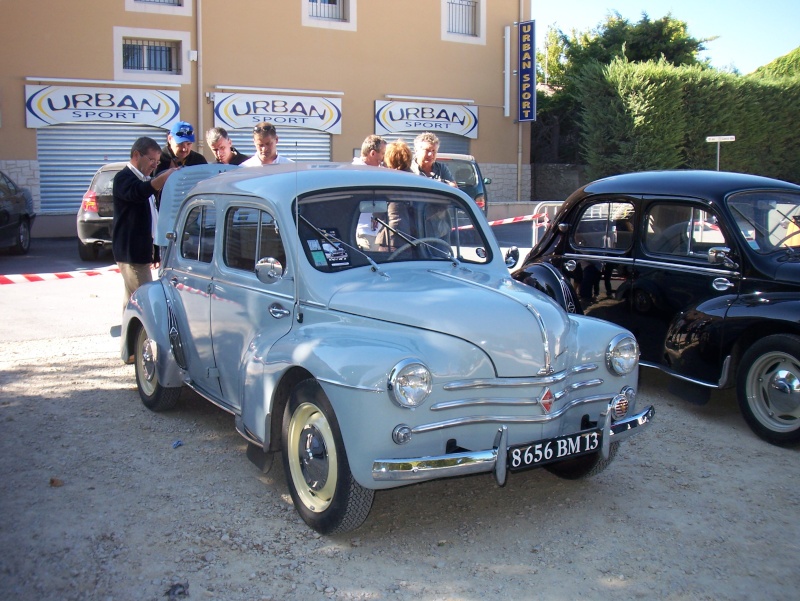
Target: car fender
[702, 338]
[549, 280]
[149, 307]
[351, 365]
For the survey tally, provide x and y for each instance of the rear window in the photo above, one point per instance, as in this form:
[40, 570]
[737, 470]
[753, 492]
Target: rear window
[103, 182]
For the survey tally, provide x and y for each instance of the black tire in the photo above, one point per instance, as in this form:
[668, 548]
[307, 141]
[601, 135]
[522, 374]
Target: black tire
[584, 466]
[22, 244]
[323, 489]
[87, 252]
[154, 396]
[768, 388]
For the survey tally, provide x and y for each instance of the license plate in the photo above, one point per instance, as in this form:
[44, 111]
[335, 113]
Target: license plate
[538, 453]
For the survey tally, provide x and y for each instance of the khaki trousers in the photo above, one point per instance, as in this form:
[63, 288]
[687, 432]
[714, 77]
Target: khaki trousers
[133, 276]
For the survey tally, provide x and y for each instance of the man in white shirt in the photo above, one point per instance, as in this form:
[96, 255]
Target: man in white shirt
[372, 151]
[265, 139]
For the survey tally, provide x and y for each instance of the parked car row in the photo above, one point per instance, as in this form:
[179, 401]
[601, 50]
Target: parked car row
[702, 267]
[96, 213]
[16, 216]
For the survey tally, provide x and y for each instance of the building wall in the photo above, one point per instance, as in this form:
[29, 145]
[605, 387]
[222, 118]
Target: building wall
[395, 49]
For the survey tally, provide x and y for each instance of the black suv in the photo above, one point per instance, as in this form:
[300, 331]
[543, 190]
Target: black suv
[703, 267]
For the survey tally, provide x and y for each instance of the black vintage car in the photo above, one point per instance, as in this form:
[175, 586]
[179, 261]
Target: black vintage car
[703, 267]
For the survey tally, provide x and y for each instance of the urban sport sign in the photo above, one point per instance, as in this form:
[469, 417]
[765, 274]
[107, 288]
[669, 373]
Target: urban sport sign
[396, 117]
[53, 105]
[527, 72]
[239, 111]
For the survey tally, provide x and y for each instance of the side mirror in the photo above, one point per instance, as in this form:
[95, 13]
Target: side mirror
[269, 270]
[512, 257]
[563, 228]
[487, 180]
[721, 255]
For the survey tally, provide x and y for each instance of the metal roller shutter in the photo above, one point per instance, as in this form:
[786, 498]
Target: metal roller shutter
[70, 154]
[295, 143]
[447, 142]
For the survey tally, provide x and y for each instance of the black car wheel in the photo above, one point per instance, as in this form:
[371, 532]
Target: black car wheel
[584, 466]
[323, 489]
[87, 252]
[768, 388]
[154, 396]
[22, 244]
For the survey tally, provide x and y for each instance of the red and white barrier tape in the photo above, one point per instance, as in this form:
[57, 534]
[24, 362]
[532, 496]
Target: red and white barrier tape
[46, 277]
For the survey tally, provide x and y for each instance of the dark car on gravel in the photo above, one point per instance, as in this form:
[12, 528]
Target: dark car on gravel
[703, 267]
[96, 213]
[16, 216]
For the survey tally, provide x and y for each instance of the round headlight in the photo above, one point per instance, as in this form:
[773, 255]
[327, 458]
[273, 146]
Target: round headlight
[622, 355]
[410, 383]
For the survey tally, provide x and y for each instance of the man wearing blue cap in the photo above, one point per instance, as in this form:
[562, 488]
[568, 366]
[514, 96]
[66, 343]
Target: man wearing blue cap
[178, 151]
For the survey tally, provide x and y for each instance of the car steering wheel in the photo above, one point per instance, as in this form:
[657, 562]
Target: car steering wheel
[417, 242]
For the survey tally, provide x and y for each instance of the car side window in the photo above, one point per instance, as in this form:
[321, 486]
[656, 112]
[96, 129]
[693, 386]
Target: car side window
[197, 240]
[605, 226]
[251, 235]
[682, 230]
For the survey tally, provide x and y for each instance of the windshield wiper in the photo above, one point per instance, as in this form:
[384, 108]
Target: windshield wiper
[331, 239]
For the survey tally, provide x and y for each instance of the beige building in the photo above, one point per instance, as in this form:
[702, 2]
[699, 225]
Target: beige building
[326, 72]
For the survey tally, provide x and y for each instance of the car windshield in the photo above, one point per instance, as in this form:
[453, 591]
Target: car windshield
[768, 221]
[355, 228]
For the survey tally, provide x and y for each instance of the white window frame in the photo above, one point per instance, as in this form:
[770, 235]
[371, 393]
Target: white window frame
[164, 9]
[479, 39]
[182, 37]
[349, 25]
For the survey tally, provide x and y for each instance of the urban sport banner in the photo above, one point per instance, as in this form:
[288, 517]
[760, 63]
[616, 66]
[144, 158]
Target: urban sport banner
[238, 111]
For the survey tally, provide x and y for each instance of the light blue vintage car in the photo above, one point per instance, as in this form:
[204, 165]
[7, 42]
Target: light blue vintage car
[362, 322]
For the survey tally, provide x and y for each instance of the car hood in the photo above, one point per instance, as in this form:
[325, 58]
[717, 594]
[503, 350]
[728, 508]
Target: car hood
[521, 330]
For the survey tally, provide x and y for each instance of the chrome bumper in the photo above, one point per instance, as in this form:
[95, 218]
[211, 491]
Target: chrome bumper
[492, 460]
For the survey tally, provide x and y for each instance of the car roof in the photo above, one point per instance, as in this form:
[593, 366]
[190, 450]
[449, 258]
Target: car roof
[280, 182]
[451, 155]
[707, 184]
[118, 166]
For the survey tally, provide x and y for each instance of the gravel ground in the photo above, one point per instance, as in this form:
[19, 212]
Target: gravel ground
[97, 502]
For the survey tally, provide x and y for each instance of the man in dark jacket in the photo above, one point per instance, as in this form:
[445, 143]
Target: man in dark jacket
[178, 151]
[222, 147]
[135, 215]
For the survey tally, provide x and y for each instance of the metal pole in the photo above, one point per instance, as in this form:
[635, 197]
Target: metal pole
[718, 145]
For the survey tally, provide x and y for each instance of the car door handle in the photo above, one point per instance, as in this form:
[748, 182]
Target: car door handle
[277, 311]
[721, 284]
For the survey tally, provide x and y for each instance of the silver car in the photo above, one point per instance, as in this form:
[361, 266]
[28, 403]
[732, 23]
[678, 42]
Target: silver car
[370, 362]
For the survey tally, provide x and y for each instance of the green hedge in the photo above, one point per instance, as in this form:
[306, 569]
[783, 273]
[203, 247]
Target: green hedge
[640, 116]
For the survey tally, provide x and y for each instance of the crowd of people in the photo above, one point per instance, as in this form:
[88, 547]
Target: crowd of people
[136, 189]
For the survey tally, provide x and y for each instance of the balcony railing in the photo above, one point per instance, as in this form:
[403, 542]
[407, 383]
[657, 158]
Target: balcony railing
[462, 17]
[334, 10]
[167, 2]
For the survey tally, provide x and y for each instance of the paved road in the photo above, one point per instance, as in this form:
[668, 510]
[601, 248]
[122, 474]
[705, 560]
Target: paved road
[75, 306]
[50, 255]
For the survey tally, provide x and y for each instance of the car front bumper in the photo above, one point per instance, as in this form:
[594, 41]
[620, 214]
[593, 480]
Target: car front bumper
[419, 469]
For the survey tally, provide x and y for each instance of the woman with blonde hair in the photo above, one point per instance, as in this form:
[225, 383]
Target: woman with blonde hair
[398, 156]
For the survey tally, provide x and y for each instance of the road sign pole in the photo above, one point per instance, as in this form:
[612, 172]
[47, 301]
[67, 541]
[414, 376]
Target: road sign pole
[718, 140]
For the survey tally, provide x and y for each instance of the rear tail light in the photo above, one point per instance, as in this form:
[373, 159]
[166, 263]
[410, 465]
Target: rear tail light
[480, 200]
[89, 203]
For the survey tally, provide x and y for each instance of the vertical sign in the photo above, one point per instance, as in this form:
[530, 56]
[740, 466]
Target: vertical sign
[527, 71]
